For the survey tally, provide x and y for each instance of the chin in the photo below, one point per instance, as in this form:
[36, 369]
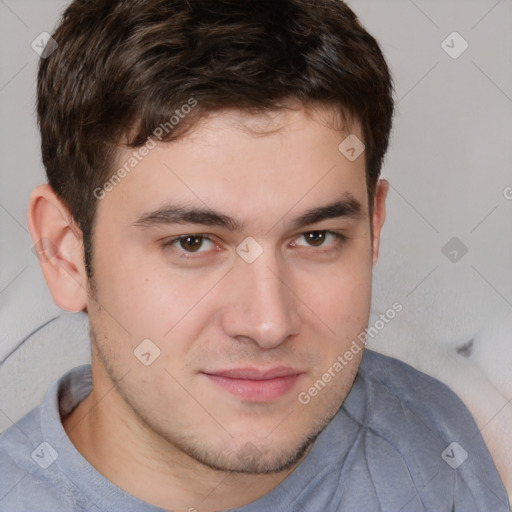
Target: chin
[251, 460]
[252, 457]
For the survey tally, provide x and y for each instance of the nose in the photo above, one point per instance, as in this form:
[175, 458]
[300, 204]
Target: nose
[262, 306]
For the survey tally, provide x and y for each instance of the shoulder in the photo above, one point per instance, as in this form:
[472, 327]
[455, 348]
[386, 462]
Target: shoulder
[417, 422]
[395, 388]
[30, 479]
[384, 374]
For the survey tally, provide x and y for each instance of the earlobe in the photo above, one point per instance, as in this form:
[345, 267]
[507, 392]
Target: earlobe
[58, 247]
[379, 215]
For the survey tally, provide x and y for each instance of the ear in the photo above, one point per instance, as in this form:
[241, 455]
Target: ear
[379, 215]
[58, 246]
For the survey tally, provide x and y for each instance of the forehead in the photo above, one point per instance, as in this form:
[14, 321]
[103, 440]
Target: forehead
[244, 164]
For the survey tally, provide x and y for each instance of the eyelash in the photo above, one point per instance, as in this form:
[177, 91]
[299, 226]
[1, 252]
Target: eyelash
[340, 239]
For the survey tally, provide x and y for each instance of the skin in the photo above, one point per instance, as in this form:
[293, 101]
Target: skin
[300, 304]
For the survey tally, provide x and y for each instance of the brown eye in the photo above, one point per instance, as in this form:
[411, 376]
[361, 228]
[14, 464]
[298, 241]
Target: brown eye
[191, 248]
[315, 238]
[323, 240]
[191, 243]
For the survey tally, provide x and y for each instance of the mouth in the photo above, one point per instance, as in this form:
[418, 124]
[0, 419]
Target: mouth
[254, 384]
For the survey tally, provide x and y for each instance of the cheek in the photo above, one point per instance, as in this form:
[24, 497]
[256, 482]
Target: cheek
[141, 299]
[340, 293]
[129, 285]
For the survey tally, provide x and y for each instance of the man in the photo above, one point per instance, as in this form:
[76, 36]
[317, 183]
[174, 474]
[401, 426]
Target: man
[214, 204]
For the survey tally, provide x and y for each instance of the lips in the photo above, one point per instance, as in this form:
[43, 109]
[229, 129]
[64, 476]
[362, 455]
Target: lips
[256, 384]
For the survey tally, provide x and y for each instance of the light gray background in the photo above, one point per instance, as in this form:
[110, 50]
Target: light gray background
[449, 166]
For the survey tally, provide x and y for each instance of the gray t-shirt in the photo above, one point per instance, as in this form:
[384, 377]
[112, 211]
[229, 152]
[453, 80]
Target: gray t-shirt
[402, 442]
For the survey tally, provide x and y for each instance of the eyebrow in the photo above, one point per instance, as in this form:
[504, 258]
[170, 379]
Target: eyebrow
[347, 207]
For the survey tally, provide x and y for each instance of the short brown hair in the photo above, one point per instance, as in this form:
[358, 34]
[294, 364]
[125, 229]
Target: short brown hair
[123, 67]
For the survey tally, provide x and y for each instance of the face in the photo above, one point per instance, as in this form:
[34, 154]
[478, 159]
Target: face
[246, 262]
